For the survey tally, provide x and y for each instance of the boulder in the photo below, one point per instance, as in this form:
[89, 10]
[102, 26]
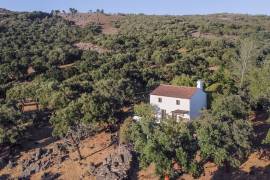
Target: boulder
[127, 156]
[25, 164]
[10, 164]
[91, 168]
[103, 170]
[45, 164]
[114, 167]
[47, 152]
[60, 148]
[37, 154]
[25, 174]
[117, 159]
[36, 168]
[112, 176]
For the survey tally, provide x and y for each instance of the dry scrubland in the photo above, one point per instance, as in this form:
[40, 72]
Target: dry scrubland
[76, 69]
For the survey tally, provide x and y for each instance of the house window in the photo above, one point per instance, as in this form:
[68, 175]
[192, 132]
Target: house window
[160, 100]
[177, 102]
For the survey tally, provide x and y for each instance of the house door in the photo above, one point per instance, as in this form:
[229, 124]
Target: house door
[163, 113]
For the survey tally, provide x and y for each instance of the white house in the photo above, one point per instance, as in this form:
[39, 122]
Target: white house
[179, 101]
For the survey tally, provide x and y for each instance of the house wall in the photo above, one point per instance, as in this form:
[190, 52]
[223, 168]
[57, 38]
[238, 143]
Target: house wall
[197, 103]
[169, 104]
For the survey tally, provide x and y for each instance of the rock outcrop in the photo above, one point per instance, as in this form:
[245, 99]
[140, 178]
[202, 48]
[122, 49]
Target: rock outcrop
[115, 166]
[42, 159]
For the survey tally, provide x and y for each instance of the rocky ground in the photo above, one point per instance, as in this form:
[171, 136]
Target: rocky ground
[103, 161]
[116, 166]
[40, 159]
[43, 157]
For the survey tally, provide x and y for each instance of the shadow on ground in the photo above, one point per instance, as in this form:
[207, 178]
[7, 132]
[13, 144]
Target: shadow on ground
[256, 173]
[50, 176]
[4, 177]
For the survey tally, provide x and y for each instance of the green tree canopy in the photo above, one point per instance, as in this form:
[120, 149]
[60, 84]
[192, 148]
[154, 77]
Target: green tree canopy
[229, 107]
[12, 123]
[183, 81]
[163, 144]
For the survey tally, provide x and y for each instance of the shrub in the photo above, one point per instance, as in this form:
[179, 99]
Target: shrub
[125, 131]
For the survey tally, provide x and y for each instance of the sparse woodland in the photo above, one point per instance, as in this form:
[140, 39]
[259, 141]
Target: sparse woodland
[231, 53]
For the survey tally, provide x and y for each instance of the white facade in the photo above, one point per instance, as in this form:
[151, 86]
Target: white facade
[169, 104]
[188, 108]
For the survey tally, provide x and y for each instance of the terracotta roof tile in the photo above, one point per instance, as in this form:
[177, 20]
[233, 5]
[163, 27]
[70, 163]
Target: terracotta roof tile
[174, 91]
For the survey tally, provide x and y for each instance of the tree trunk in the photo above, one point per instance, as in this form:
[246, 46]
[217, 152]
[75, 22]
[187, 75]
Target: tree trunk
[77, 147]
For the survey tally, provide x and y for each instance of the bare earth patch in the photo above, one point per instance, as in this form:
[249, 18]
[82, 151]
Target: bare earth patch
[83, 19]
[211, 36]
[148, 173]
[65, 66]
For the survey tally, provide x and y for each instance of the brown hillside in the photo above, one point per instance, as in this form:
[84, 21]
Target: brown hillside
[106, 21]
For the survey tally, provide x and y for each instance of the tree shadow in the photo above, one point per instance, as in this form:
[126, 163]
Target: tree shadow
[4, 155]
[135, 168]
[256, 173]
[98, 151]
[261, 127]
[124, 113]
[50, 176]
[5, 177]
[36, 136]
[39, 134]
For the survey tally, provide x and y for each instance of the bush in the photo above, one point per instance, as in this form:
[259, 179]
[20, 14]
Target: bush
[125, 131]
[195, 169]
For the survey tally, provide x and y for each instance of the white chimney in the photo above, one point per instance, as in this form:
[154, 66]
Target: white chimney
[200, 84]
